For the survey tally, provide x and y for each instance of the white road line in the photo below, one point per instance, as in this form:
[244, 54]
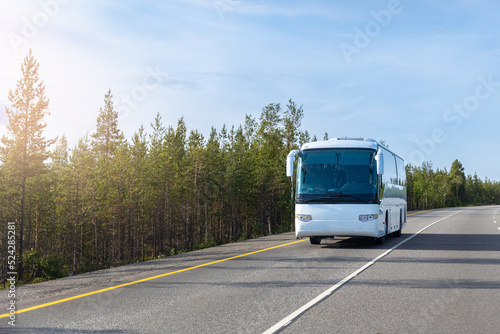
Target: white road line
[286, 321]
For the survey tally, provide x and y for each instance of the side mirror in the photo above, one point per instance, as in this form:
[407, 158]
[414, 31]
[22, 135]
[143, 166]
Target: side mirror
[379, 159]
[290, 159]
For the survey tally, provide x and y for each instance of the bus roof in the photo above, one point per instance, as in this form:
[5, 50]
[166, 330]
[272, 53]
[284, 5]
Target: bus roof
[367, 143]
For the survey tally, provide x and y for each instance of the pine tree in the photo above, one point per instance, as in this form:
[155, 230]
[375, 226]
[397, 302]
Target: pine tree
[57, 221]
[24, 148]
[196, 171]
[271, 155]
[213, 189]
[457, 181]
[292, 121]
[108, 136]
[107, 142]
[138, 189]
[80, 206]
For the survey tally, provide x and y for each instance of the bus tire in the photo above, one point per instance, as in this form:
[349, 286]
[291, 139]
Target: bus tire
[380, 241]
[315, 240]
[398, 232]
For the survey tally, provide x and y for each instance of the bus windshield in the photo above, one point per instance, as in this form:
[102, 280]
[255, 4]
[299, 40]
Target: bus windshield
[337, 176]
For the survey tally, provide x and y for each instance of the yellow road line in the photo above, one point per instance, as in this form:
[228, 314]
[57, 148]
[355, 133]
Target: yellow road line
[416, 213]
[147, 279]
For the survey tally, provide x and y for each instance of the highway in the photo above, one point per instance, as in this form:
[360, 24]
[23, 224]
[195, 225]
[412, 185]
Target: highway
[441, 276]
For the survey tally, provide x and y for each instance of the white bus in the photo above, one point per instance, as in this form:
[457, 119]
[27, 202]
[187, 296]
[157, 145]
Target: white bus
[348, 187]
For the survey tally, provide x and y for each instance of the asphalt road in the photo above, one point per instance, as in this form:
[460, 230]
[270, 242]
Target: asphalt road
[445, 279]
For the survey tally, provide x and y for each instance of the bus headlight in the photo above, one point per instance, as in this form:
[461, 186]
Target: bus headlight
[367, 218]
[304, 218]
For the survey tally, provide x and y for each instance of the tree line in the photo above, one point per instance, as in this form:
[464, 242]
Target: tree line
[110, 201]
[429, 189]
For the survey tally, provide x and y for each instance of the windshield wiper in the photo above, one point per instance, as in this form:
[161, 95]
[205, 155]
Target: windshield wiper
[331, 197]
[353, 196]
[317, 199]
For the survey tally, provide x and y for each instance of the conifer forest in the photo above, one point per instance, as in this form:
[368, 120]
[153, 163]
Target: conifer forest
[111, 200]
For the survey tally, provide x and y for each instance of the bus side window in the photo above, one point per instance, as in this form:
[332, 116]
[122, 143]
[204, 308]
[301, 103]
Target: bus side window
[390, 175]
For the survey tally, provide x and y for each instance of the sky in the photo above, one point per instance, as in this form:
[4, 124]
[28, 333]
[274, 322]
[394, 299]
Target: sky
[424, 76]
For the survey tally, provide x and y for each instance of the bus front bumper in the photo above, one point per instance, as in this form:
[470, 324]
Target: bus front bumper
[343, 220]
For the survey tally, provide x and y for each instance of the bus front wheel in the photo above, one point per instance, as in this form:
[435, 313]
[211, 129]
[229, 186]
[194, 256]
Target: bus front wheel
[315, 240]
[380, 241]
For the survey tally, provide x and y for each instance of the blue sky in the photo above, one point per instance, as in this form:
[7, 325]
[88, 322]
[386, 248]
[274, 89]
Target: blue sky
[422, 75]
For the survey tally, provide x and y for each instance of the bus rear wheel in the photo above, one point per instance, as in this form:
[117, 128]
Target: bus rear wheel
[398, 232]
[315, 240]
